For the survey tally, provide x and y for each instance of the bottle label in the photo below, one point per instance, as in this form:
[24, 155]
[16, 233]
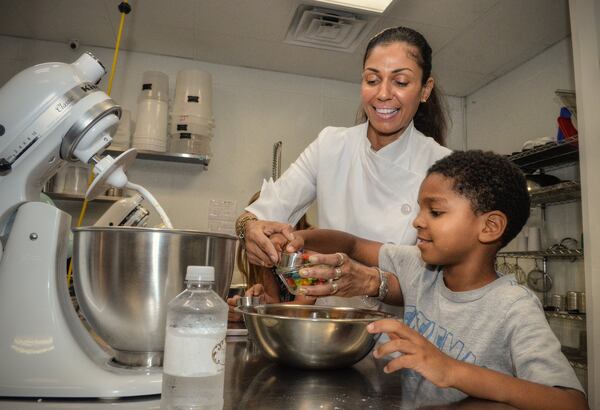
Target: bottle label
[194, 355]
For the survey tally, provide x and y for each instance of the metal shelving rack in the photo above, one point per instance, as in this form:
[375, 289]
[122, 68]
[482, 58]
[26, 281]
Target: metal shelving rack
[551, 156]
[548, 253]
[563, 192]
[565, 315]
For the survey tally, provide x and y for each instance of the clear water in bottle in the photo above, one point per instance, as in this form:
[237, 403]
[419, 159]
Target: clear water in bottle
[194, 364]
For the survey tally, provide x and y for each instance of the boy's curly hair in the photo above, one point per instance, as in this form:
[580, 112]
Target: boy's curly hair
[491, 182]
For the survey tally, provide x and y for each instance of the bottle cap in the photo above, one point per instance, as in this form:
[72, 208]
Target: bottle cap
[203, 273]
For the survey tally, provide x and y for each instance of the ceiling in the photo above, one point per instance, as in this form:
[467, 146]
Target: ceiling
[474, 41]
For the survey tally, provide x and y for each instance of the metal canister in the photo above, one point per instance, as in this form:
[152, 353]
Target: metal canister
[558, 302]
[581, 302]
[572, 302]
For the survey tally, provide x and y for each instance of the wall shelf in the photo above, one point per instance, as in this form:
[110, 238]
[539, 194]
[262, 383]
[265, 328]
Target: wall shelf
[552, 154]
[563, 192]
[565, 315]
[166, 156]
[62, 196]
[548, 253]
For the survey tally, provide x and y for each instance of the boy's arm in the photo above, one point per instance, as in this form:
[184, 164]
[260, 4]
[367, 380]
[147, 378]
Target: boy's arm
[331, 241]
[423, 357]
[492, 385]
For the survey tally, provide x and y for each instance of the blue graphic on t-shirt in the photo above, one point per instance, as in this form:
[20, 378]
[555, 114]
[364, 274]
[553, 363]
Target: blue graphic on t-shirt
[438, 335]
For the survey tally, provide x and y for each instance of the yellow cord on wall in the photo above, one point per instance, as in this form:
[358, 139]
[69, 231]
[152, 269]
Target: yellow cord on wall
[124, 9]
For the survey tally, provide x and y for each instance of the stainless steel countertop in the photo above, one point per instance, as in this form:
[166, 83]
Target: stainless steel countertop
[254, 382]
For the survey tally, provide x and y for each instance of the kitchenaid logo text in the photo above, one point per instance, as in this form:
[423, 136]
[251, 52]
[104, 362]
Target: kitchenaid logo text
[88, 87]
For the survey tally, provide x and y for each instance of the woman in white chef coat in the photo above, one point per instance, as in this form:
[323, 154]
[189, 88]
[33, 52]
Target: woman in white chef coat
[365, 178]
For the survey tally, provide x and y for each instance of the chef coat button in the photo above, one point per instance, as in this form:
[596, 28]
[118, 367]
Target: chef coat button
[406, 208]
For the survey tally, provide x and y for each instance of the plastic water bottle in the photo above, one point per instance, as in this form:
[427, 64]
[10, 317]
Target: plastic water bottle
[194, 361]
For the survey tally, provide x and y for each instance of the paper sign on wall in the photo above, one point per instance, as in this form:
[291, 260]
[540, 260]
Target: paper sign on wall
[222, 214]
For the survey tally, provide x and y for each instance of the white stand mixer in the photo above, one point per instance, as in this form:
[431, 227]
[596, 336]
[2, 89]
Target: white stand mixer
[51, 113]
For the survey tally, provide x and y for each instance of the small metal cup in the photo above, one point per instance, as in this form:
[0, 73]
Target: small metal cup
[249, 301]
[572, 302]
[558, 302]
[290, 261]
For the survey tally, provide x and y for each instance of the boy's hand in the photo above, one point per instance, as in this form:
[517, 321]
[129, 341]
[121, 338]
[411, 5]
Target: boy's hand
[418, 353]
[295, 244]
[232, 315]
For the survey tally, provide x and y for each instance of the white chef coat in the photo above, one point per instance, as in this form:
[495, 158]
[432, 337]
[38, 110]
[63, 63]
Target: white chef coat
[371, 194]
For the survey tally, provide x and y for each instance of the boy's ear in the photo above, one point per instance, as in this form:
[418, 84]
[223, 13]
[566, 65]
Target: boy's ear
[494, 225]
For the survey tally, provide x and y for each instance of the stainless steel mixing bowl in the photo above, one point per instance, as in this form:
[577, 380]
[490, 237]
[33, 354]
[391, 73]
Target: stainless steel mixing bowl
[311, 337]
[125, 276]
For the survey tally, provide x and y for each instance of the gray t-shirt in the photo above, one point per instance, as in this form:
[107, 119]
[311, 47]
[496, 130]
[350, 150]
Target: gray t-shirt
[500, 326]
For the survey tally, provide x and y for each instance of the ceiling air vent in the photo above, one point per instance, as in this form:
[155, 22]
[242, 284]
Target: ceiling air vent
[329, 29]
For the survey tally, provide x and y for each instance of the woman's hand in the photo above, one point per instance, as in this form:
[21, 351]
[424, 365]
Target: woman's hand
[418, 353]
[261, 251]
[345, 276]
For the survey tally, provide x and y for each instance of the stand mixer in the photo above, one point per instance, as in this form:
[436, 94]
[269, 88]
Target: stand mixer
[51, 113]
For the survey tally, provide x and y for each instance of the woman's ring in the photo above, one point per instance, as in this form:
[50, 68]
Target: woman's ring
[338, 273]
[340, 259]
[334, 288]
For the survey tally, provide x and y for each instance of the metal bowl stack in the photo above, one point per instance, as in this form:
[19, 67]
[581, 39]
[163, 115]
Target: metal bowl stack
[125, 276]
[311, 337]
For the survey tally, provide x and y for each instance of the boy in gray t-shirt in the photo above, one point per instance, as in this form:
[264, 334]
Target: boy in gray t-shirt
[464, 326]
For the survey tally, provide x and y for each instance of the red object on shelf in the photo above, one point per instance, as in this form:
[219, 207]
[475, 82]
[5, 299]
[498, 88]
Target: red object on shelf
[567, 128]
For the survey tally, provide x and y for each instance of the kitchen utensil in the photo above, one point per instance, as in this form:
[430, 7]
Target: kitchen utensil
[288, 271]
[572, 302]
[519, 273]
[503, 268]
[311, 337]
[539, 280]
[569, 243]
[244, 301]
[543, 179]
[125, 276]
[289, 261]
[558, 302]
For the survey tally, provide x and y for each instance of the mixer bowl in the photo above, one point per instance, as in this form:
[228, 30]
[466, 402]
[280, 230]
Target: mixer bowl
[125, 276]
[311, 337]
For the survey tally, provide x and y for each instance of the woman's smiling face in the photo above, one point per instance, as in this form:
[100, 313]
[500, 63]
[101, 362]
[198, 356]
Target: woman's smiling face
[392, 88]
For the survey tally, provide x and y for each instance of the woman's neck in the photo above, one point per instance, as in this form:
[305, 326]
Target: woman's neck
[379, 140]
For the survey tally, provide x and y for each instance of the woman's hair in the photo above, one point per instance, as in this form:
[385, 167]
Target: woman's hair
[431, 118]
[253, 273]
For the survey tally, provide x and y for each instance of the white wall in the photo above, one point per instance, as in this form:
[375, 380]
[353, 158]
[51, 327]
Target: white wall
[520, 105]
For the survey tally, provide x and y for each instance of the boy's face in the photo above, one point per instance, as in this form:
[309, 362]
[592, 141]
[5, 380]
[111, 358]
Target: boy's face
[447, 227]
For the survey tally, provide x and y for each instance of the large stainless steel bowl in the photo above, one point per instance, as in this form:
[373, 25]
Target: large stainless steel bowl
[125, 276]
[311, 337]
